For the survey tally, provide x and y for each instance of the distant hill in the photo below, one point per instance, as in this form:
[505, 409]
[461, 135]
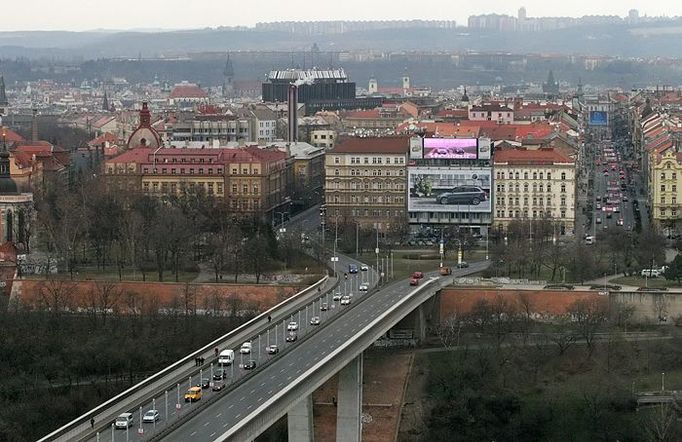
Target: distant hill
[643, 41]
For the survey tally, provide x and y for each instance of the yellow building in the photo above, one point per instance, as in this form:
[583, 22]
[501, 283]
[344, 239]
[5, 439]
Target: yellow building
[664, 191]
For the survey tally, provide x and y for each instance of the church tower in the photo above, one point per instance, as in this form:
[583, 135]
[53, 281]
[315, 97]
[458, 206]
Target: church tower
[228, 77]
[373, 86]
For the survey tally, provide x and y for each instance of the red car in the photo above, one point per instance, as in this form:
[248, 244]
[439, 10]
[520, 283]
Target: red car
[414, 281]
[417, 275]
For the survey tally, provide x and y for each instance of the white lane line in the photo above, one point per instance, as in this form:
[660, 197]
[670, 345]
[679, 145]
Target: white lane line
[219, 414]
[225, 425]
[288, 378]
[206, 424]
[193, 433]
[282, 370]
[269, 392]
[253, 391]
[243, 397]
[231, 405]
[260, 399]
[249, 407]
[238, 416]
[262, 384]
[212, 434]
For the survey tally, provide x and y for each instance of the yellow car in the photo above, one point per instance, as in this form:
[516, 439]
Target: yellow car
[193, 394]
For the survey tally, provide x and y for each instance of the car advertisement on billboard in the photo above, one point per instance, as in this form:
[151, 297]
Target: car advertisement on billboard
[451, 148]
[446, 189]
[598, 118]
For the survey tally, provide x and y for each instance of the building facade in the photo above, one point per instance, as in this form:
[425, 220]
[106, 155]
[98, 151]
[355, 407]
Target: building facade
[665, 192]
[534, 184]
[365, 181]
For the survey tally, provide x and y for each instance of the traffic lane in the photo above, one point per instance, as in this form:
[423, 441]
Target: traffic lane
[276, 334]
[280, 373]
[308, 354]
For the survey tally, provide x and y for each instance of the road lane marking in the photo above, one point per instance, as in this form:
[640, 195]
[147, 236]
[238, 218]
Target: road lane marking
[212, 434]
[206, 424]
[269, 392]
[243, 397]
[231, 405]
[225, 425]
[219, 414]
[238, 416]
[193, 433]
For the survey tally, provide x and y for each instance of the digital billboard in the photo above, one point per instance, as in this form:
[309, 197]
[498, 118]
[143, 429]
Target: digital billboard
[484, 148]
[451, 148]
[446, 189]
[416, 146]
[598, 118]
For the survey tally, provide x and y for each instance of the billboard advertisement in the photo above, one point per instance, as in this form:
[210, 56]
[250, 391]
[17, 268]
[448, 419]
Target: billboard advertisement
[416, 146]
[598, 118]
[451, 148]
[447, 189]
[484, 148]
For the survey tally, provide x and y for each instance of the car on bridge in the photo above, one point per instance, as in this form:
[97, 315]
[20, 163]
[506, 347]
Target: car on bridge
[218, 386]
[352, 268]
[462, 265]
[324, 307]
[315, 320]
[151, 416]
[124, 421]
[205, 383]
[345, 300]
[363, 287]
[272, 349]
[193, 394]
[226, 357]
[414, 281]
[291, 337]
[292, 326]
[249, 365]
[418, 275]
[219, 375]
[246, 348]
[364, 267]
[337, 296]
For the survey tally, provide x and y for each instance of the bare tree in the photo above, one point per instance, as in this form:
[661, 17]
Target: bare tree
[660, 423]
[56, 295]
[589, 316]
[660, 305]
[564, 336]
[107, 295]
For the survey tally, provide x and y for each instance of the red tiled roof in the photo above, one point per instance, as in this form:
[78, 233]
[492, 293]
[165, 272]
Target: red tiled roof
[187, 90]
[530, 156]
[221, 155]
[393, 144]
[106, 137]
[11, 136]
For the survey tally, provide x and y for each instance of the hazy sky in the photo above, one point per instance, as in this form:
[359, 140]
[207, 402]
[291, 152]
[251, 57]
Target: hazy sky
[80, 15]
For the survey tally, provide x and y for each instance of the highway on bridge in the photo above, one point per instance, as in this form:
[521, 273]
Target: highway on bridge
[217, 418]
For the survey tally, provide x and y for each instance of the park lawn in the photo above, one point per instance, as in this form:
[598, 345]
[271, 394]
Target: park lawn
[645, 282]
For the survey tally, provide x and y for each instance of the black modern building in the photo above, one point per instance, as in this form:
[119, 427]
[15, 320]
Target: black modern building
[313, 85]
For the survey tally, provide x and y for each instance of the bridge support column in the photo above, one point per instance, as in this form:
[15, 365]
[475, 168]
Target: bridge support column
[300, 421]
[349, 412]
[420, 324]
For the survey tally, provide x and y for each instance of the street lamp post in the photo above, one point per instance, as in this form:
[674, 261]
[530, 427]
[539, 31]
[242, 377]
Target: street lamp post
[357, 236]
[376, 250]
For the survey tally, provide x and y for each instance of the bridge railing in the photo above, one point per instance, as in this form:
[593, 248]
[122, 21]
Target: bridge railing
[139, 393]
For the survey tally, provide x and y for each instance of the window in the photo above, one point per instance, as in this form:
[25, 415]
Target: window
[674, 175]
[210, 171]
[210, 188]
[234, 188]
[220, 188]
[255, 189]
[563, 201]
[549, 175]
[516, 175]
[662, 187]
[563, 188]
[563, 213]
[173, 171]
[336, 172]
[541, 177]
[245, 188]
[525, 175]
[662, 175]
[535, 175]
[201, 171]
[525, 187]
[674, 187]
[245, 171]
[662, 200]
[563, 176]
[337, 160]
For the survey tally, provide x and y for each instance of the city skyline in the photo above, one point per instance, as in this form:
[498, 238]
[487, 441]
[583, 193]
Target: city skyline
[175, 14]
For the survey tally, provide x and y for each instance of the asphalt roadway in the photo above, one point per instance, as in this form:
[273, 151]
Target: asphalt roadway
[218, 417]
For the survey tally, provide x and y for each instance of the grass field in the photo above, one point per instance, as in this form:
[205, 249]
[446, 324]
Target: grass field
[646, 282]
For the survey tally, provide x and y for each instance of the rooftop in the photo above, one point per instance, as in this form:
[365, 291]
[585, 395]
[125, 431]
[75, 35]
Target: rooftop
[393, 144]
[530, 156]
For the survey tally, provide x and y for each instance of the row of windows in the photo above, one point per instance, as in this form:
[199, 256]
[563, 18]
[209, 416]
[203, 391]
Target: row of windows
[245, 189]
[515, 201]
[674, 176]
[245, 204]
[526, 175]
[674, 188]
[674, 200]
[356, 199]
[449, 216]
[375, 172]
[524, 214]
[173, 187]
[184, 170]
[376, 212]
[536, 187]
[374, 160]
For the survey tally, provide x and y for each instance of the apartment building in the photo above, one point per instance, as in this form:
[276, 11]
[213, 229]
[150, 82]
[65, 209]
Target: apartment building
[365, 181]
[534, 184]
[666, 192]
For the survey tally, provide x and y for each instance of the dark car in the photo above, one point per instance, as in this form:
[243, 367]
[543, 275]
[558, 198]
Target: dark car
[291, 337]
[205, 383]
[463, 195]
[217, 386]
[219, 375]
[249, 365]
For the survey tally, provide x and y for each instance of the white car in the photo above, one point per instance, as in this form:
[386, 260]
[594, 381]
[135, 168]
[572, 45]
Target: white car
[364, 267]
[337, 296]
[151, 416]
[246, 348]
[363, 287]
[272, 349]
[124, 420]
[345, 300]
[315, 320]
[292, 326]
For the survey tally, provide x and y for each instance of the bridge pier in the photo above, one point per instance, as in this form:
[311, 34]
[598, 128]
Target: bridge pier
[420, 324]
[349, 411]
[300, 421]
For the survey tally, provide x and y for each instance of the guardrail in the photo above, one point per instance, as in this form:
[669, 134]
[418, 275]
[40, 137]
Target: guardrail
[277, 406]
[137, 394]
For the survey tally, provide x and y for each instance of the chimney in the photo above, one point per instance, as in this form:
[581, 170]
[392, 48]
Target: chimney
[292, 104]
[34, 125]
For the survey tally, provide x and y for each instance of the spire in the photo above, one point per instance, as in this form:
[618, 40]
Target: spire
[7, 184]
[105, 102]
[465, 97]
[3, 94]
[145, 116]
[34, 125]
[228, 75]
